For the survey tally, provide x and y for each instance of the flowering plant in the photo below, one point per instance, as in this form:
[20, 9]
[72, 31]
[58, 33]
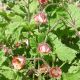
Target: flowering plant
[39, 40]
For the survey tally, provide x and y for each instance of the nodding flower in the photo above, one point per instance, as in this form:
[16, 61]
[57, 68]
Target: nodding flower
[44, 48]
[55, 72]
[18, 62]
[43, 1]
[41, 18]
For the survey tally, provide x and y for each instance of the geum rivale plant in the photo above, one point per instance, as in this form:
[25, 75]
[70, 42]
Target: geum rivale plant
[39, 40]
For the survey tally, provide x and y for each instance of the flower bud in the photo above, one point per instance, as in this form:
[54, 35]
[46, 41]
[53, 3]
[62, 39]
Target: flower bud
[18, 62]
[41, 18]
[43, 69]
[6, 50]
[43, 1]
[55, 72]
[17, 44]
[44, 48]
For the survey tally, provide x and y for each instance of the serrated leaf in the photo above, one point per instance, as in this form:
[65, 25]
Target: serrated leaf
[2, 58]
[17, 18]
[16, 34]
[73, 69]
[33, 6]
[68, 76]
[41, 37]
[11, 28]
[5, 68]
[63, 52]
[9, 74]
[33, 43]
[76, 17]
[18, 10]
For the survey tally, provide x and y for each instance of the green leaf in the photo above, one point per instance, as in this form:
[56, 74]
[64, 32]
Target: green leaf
[1, 53]
[18, 10]
[16, 34]
[33, 43]
[63, 52]
[18, 77]
[76, 17]
[2, 58]
[17, 18]
[34, 6]
[7, 72]
[68, 76]
[41, 37]
[78, 43]
[73, 69]
[11, 28]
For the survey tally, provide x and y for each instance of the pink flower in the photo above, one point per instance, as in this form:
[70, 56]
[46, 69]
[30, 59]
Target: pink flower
[43, 1]
[44, 48]
[18, 62]
[41, 18]
[55, 72]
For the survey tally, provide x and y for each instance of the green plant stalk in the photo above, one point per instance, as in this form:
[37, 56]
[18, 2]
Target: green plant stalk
[34, 68]
[63, 64]
[27, 8]
[39, 28]
[28, 11]
[39, 77]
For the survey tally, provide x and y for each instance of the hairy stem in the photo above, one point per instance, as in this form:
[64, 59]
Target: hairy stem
[28, 10]
[63, 64]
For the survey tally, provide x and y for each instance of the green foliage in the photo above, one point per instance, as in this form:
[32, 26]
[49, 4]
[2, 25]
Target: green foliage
[63, 52]
[69, 76]
[8, 73]
[20, 35]
[2, 57]
[74, 9]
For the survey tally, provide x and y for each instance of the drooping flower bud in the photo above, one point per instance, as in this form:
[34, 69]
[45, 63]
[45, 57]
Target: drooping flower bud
[6, 50]
[43, 69]
[44, 48]
[18, 62]
[43, 1]
[41, 18]
[55, 72]
[17, 44]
